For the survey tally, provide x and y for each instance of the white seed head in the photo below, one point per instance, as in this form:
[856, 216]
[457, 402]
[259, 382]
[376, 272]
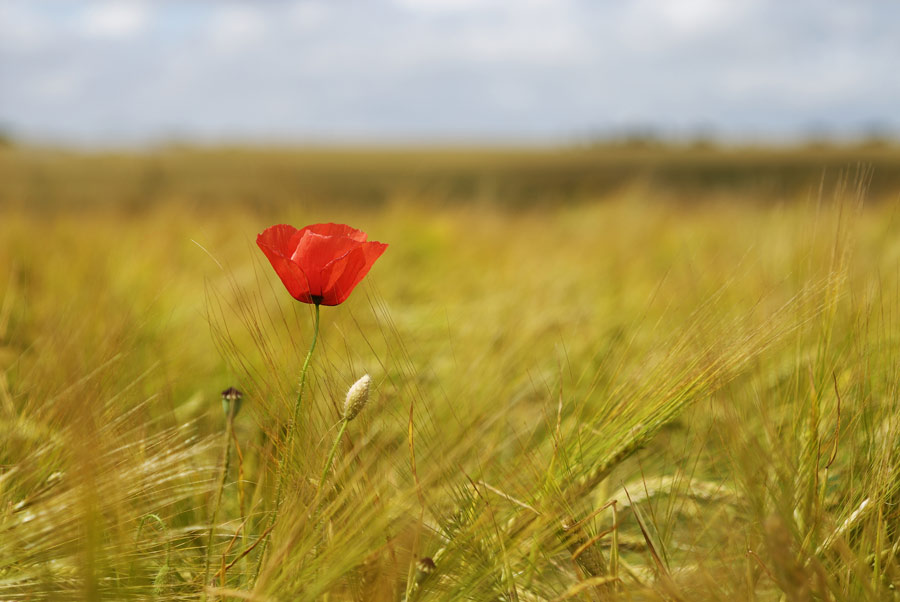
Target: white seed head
[357, 397]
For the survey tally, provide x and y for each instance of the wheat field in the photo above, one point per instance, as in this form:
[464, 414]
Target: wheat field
[596, 374]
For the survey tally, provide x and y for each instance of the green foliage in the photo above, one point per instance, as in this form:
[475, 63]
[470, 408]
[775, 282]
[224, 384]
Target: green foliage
[642, 396]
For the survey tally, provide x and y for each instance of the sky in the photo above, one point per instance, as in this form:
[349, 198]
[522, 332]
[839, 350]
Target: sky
[89, 72]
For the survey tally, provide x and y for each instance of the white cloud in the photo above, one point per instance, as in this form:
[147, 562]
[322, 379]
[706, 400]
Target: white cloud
[21, 30]
[59, 86]
[122, 19]
[443, 6]
[307, 15]
[236, 26]
[698, 17]
[533, 32]
[650, 27]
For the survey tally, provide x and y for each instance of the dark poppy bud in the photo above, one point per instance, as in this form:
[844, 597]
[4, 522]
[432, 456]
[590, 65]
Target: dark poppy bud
[231, 396]
[424, 567]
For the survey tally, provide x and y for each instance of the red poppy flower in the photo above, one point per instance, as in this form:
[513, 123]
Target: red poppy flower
[321, 263]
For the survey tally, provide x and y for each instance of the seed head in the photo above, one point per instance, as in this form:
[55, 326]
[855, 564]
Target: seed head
[357, 397]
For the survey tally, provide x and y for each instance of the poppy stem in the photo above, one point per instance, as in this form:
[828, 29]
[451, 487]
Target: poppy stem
[289, 447]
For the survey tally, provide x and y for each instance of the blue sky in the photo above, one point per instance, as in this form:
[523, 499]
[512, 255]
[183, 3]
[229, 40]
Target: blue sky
[131, 71]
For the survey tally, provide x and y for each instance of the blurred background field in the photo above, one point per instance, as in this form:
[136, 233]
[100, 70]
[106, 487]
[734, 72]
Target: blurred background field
[711, 331]
[371, 177]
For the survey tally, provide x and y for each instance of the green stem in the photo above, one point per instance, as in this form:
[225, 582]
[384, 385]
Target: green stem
[229, 426]
[327, 467]
[289, 447]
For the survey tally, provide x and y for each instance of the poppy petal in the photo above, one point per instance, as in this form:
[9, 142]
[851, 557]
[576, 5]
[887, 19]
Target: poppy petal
[337, 230]
[344, 273]
[337, 271]
[278, 238]
[293, 278]
[316, 251]
[373, 251]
